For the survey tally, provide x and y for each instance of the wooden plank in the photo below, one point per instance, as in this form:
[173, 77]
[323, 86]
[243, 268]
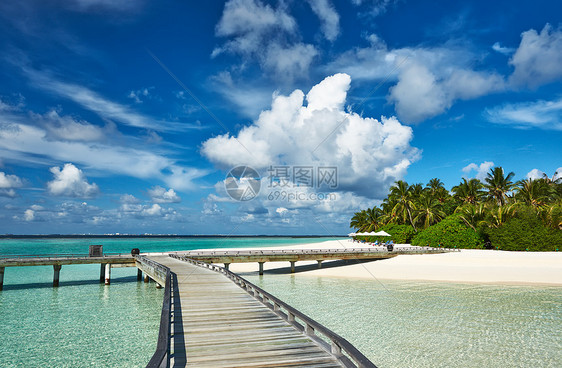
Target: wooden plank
[223, 326]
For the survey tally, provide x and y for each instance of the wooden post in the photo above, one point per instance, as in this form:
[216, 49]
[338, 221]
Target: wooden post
[139, 274]
[56, 275]
[261, 267]
[1, 278]
[319, 264]
[102, 272]
[293, 266]
[335, 348]
[108, 273]
[226, 266]
[146, 278]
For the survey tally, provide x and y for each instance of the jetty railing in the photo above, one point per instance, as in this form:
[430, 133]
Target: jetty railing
[161, 358]
[248, 252]
[60, 255]
[333, 343]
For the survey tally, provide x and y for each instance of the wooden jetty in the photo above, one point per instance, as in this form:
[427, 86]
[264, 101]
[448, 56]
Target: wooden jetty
[227, 257]
[214, 318]
[57, 261]
[107, 261]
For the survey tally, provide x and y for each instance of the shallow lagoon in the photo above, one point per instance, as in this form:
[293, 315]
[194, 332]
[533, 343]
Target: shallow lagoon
[395, 323]
[404, 324]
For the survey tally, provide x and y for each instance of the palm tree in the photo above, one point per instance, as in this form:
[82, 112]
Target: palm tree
[555, 185]
[404, 206]
[557, 192]
[498, 185]
[468, 191]
[534, 192]
[553, 216]
[416, 190]
[359, 220]
[428, 211]
[367, 220]
[556, 178]
[436, 189]
[388, 217]
[472, 215]
[498, 215]
[374, 219]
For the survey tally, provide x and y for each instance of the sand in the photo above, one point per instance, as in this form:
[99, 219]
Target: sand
[466, 266]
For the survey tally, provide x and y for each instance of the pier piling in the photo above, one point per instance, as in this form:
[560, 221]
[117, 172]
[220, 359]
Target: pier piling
[102, 272]
[108, 273]
[139, 274]
[146, 278]
[261, 268]
[226, 265]
[1, 278]
[319, 263]
[293, 266]
[56, 275]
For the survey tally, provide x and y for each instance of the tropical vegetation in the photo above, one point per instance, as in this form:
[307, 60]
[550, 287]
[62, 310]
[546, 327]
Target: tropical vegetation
[494, 213]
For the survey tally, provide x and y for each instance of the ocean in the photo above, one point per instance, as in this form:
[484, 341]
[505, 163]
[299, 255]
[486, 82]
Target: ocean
[394, 323]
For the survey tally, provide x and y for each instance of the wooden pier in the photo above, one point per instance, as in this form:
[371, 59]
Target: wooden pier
[217, 319]
[57, 261]
[226, 257]
[292, 256]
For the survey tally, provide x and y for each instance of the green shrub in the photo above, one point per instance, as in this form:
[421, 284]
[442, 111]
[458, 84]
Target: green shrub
[450, 232]
[525, 232]
[400, 234]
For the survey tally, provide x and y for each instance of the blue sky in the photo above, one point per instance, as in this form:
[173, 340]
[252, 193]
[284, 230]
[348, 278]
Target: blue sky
[126, 116]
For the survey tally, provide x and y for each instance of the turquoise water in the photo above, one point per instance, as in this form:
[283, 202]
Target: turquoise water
[124, 245]
[83, 323]
[80, 324]
[395, 323]
[403, 324]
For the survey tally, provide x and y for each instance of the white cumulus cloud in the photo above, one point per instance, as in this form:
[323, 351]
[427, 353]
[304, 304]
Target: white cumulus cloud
[289, 61]
[154, 210]
[161, 195]
[535, 174]
[71, 181]
[370, 154]
[258, 31]
[481, 170]
[29, 215]
[429, 80]
[281, 210]
[422, 93]
[8, 183]
[538, 58]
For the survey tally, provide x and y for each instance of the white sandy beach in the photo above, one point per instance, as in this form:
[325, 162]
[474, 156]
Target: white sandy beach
[466, 266]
